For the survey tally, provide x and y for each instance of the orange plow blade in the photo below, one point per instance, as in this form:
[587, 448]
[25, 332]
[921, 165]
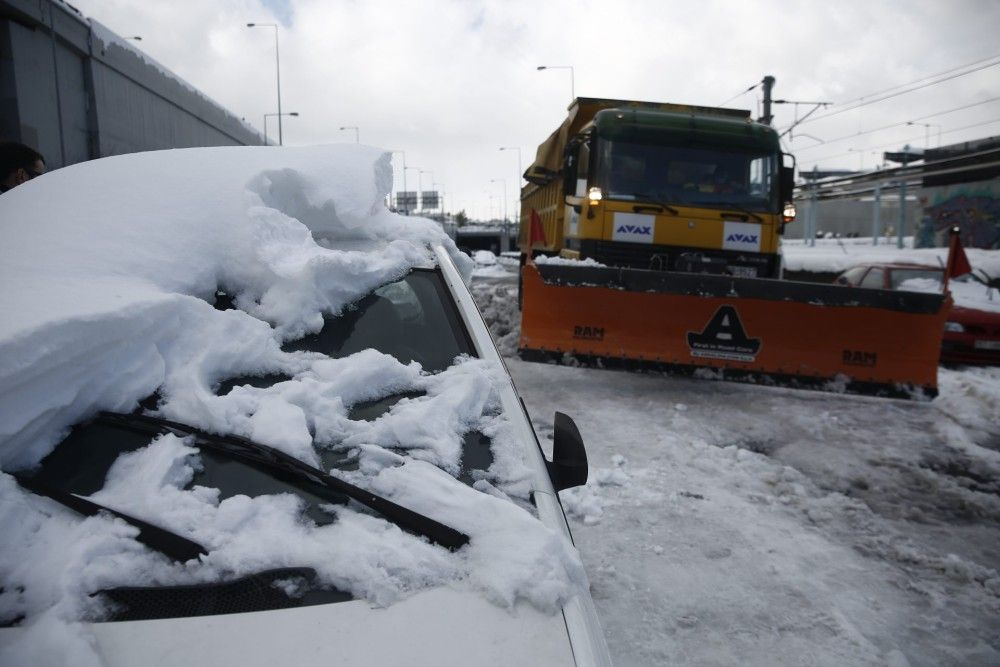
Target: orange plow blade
[775, 332]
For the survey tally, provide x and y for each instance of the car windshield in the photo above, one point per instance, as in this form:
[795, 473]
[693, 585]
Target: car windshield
[687, 175]
[412, 319]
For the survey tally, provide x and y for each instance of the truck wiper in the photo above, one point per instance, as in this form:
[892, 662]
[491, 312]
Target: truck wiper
[168, 543]
[656, 204]
[727, 204]
[293, 471]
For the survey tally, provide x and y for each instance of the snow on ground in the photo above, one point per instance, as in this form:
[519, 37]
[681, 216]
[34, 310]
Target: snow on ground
[109, 269]
[487, 267]
[732, 524]
[736, 524]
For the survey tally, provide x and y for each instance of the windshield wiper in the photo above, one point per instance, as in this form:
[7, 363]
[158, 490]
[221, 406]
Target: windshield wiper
[168, 543]
[656, 203]
[295, 472]
[728, 204]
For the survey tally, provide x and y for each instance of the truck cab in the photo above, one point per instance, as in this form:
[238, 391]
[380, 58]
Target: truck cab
[670, 188]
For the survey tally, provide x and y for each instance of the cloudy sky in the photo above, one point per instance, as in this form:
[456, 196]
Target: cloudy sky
[451, 81]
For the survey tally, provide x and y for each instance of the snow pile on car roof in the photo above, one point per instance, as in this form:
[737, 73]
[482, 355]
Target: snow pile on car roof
[110, 265]
[109, 270]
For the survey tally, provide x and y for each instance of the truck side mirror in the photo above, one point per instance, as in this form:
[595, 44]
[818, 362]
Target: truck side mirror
[570, 168]
[568, 467]
[787, 183]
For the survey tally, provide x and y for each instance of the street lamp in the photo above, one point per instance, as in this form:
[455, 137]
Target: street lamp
[927, 128]
[268, 115]
[357, 132]
[277, 68]
[572, 77]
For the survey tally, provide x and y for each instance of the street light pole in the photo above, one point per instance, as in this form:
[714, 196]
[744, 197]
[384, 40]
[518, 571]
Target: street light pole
[572, 77]
[357, 132]
[927, 132]
[277, 65]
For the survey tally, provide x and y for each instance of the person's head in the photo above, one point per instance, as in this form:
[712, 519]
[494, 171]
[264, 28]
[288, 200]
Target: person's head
[18, 163]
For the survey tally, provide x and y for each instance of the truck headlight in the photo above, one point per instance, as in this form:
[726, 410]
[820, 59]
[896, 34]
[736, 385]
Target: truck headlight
[954, 327]
[595, 195]
[788, 213]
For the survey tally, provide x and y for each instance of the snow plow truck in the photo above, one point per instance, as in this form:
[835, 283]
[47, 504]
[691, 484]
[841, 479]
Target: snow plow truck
[650, 237]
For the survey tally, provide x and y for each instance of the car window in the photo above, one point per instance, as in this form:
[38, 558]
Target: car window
[413, 319]
[873, 279]
[898, 276]
[853, 276]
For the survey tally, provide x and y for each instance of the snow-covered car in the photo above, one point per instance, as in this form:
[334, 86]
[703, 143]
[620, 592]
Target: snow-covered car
[972, 331]
[248, 416]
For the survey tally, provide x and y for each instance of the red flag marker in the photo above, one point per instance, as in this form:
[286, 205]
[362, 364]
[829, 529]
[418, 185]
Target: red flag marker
[958, 263]
[537, 232]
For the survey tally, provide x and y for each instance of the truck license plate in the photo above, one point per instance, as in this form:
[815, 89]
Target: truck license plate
[987, 344]
[743, 271]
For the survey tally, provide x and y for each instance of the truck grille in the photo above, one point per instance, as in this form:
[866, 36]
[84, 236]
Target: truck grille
[669, 258]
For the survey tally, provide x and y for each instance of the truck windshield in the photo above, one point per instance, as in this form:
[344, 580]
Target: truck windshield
[689, 175]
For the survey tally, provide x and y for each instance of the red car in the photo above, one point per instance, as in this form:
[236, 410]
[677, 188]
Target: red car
[971, 334]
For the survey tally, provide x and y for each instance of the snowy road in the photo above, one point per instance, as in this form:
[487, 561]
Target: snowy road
[731, 524]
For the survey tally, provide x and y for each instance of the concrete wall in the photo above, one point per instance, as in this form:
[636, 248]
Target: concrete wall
[854, 217]
[74, 90]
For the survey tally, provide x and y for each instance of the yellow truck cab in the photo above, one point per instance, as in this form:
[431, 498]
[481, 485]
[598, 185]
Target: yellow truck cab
[659, 186]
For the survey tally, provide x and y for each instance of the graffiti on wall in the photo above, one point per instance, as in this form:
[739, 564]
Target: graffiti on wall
[976, 214]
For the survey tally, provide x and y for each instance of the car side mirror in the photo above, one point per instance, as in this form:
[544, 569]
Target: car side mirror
[568, 467]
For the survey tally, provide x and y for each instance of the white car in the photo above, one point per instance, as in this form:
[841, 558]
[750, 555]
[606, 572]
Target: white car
[354, 482]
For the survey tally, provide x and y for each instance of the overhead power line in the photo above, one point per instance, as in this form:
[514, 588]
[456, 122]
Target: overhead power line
[892, 125]
[738, 95]
[995, 61]
[899, 141]
[921, 79]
